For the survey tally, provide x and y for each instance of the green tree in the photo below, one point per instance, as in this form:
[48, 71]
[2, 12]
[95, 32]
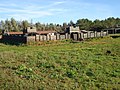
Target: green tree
[71, 23]
[25, 24]
[38, 26]
[84, 24]
[117, 22]
[65, 26]
[8, 26]
[97, 25]
[2, 25]
[14, 24]
[110, 22]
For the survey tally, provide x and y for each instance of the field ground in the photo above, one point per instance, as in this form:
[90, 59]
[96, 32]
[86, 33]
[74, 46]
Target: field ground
[61, 65]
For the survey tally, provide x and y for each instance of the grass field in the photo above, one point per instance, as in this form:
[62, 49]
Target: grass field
[61, 65]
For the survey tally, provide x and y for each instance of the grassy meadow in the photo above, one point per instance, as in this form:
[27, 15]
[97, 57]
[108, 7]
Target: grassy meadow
[61, 65]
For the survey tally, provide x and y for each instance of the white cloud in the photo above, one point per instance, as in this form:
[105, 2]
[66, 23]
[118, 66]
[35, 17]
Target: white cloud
[29, 11]
[64, 9]
[57, 10]
[59, 2]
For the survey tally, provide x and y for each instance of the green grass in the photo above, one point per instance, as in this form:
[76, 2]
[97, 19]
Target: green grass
[61, 65]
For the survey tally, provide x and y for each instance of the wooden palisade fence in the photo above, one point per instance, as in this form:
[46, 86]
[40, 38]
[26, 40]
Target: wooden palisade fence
[74, 36]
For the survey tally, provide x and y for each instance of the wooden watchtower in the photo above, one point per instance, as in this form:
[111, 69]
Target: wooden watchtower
[74, 32]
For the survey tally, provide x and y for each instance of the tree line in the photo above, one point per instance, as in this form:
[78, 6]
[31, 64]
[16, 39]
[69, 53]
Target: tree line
[84, 24]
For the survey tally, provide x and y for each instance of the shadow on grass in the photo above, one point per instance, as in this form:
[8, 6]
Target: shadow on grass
[17, 43]
[115, 36]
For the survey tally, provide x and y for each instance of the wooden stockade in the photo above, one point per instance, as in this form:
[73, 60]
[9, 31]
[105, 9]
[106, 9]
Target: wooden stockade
[58, 36]
[72, 32]
[32, 35]
[21, 38]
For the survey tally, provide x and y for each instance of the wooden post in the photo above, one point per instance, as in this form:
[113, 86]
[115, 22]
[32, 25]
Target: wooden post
[66, 36]
[83, 35]
[80, 36]
[39, 37]
[69, 36]
[59, 37]
[90, 34]
[94, 33]
[35, 38]
[100, 33]
[42, 37]
[113, 31]
[87, 35]
[50, 38]
[56, 36]
[107, 33]
[97, 34]
[77, 36]
[46, 38]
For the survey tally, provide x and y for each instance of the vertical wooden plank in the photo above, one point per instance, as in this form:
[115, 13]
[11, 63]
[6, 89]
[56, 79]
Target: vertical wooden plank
[87, 35]
[43, 37]
[90, 34]
[59, 37]
[66, 35]
[80, 36]
[97, 33]
[83, 35]
[107, 33]
[101, 33]
[94, 33]
[38, 37]
[35, 38]
[77, 36]
[56, 36]
[47, 37]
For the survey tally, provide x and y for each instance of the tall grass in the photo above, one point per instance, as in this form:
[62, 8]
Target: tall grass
[89, 65]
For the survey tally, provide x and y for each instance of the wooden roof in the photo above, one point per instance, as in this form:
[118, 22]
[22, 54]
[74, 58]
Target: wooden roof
[14, 33]
[38, 32]
[45, 32]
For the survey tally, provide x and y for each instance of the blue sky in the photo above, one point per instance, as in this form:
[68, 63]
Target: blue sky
[58, 11]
